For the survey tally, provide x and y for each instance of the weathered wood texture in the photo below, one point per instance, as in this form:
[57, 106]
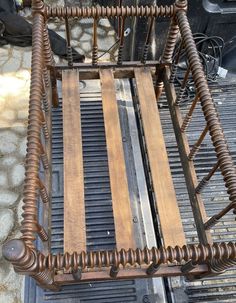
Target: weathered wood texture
[167, 206]
[74, 208]
[117, 170]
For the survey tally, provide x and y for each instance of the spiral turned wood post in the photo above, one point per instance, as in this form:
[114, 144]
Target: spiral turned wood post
[25, 262]
[169, 46]
[39, 9]
[32, 161]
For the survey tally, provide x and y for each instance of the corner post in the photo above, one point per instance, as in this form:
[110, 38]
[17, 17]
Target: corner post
[25, 262]
[172, 36]
[38, 7]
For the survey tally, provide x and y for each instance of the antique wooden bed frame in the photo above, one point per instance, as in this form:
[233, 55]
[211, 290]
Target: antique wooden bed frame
[127, 261]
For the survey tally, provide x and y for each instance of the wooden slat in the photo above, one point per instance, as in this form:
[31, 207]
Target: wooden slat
[118, 72]
[117, 171]
[74, 209]
[168, 211]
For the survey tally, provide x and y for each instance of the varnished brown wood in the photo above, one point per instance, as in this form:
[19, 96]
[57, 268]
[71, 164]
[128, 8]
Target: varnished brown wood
[137, 273]
[74, 209]
[117, 170]
[118, 73]
[53, 77]
[167, 206]
[112, 65]
[198, 208]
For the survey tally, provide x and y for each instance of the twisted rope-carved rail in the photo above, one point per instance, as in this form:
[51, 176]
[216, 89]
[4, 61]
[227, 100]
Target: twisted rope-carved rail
[197, 253]
[221, 265]
[23, 258]
[170, 42]
[113, 11]
[32, 162]
[37, 6]
[48, 56]
[208, 107]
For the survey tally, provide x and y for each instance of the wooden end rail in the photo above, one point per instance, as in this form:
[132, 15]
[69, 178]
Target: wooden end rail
[120, 13]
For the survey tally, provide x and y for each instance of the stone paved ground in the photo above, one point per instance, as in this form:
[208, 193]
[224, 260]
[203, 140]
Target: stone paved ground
[14, 91]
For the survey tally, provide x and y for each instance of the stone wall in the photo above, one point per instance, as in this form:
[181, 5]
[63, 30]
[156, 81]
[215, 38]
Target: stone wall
[14, 88]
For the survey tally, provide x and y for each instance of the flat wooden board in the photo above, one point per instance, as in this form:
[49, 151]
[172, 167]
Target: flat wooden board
[74, 208]
[117, 170]
[167, 206]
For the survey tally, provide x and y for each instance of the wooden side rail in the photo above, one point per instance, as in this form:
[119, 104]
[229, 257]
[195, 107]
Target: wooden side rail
[74, 207]
[167, 206]
[197, 204]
